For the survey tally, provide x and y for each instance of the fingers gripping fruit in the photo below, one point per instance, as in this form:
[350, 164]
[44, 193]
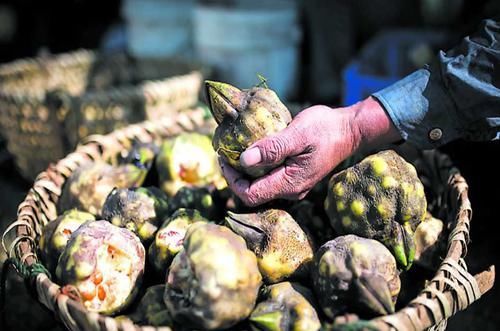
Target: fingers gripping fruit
[141, 210]
[287, 307]
[381, 198]
[244, 116]
[214, 281]
[56, 234]
[355, 275]
[169, 239]
[282, 248]
[104, 264]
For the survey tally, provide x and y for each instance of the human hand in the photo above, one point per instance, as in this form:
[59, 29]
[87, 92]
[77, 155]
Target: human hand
[316, 141]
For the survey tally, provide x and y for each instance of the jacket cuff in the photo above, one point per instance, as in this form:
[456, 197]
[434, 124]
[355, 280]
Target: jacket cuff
[421, 110]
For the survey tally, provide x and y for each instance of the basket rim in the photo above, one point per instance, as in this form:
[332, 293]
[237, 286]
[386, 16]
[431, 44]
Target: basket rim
[452, 289]
[65, 59]
[13, 69]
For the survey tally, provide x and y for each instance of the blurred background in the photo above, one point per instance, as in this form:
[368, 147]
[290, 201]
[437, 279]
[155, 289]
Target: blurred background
[120, 62]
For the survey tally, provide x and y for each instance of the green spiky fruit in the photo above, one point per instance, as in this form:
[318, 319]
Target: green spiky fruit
[286, 307]
[206, 200]
[170, 237]
[282, 248]
[151, 309]
[214, 281]
[104, 265]
[141, 210]
[244, 117]
[56, 234]
[381, 198]
[355, 275]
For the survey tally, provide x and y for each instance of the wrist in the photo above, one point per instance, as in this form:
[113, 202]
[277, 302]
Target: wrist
[372, 125]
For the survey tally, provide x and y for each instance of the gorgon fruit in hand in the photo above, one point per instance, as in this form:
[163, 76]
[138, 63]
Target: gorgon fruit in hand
[244, 117]
[286, 307]
[214, 281]
[282, 248]
[141, 210]
[102, 265]
[355, 275]
[380, 198]
[55, 235]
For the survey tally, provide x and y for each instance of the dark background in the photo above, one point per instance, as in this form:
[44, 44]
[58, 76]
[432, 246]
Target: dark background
[60, 26]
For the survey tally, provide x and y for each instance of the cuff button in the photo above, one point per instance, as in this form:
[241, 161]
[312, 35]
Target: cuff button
[435, 134]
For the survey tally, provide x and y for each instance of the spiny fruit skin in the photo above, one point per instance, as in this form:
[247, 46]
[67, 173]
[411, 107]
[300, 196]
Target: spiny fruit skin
[355, 275]
[207, 200]
[90, 184]
[170, 237]
[313, 220]
[187, 160]
[380, 198]
[244, 117]
[105, 264]
[56, 234]
[286, 307]
[282, 248]
[214, 281]
[141, 210]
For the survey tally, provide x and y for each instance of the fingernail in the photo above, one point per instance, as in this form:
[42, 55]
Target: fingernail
[250, 157]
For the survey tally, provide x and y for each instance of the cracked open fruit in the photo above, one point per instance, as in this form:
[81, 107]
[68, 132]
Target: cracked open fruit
[244, 117]
[89, 185]
[355, 275]
[187, 160]
[102, 266]
[170, 237]
[141, 210]
[380, 198]
[214, 281]
[286, 307]
[55, 235]
[282, 248]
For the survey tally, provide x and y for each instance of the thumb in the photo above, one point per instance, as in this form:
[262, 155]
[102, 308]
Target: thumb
[274, 149]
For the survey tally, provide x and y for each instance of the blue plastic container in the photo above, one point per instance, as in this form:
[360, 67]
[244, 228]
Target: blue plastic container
[388, 57]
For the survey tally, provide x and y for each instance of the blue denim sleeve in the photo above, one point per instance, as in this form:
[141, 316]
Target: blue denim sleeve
[457, 96]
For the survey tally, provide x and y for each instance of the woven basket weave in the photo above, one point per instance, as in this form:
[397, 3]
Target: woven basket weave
[452, 289]
[48, 104]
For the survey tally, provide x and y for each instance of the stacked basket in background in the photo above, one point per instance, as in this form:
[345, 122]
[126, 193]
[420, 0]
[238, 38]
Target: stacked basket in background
[48, 104]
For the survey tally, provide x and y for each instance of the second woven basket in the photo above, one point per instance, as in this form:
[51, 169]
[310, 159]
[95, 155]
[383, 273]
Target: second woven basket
[48, 104]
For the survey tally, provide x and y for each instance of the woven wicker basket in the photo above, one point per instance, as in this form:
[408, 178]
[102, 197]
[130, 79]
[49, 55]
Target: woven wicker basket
[48, 104]
[452, 289]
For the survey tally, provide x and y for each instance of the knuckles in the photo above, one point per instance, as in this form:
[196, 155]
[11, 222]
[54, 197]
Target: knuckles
[274, 150]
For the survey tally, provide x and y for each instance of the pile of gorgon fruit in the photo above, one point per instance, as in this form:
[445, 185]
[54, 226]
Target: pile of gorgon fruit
[156, 237]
